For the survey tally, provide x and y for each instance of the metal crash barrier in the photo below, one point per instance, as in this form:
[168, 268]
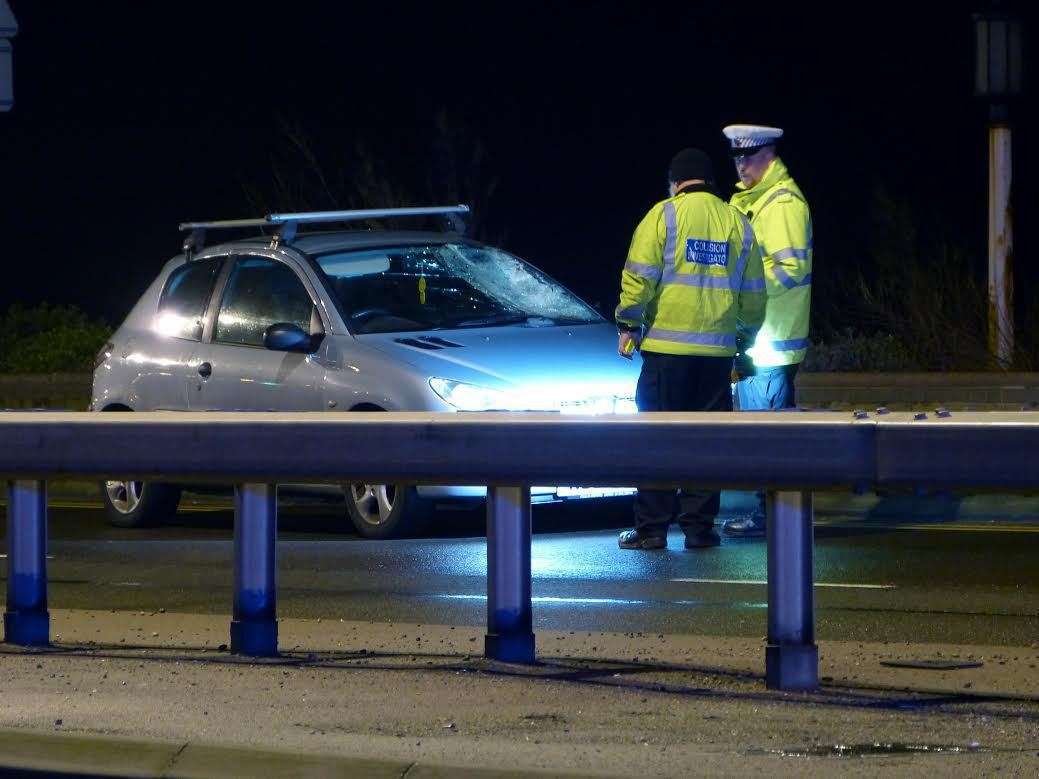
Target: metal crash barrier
[791, 455]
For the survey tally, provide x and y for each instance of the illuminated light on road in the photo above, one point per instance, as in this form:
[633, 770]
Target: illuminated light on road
[763, 582]
[559, 600]
[554, 599]
[543, 565]
[551, 558]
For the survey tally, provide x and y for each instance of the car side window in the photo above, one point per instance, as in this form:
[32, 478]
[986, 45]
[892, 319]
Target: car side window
[259, 293]
[182, 305]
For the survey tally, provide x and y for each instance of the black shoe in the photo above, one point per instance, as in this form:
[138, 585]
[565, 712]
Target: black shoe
[751, 526]
[703, 539]
[632, 539]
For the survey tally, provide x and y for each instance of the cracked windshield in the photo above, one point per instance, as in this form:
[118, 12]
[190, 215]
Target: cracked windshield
[448, 286]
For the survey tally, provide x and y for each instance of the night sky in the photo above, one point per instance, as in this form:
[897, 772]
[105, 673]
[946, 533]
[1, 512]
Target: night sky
[131, 117]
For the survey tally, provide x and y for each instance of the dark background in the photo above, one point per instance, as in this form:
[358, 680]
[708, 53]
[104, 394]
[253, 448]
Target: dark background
[131, 117]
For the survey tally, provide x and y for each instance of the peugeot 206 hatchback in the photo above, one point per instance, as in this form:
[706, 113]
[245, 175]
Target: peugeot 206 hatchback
[356, 320]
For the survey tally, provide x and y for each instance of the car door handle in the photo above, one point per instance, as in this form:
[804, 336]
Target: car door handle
[205, 370]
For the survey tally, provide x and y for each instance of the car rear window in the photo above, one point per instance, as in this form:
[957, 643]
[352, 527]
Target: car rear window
[182, 306]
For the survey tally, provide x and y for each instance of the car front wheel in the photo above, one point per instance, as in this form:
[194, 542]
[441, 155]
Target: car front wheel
[139, 503]
[386, 510]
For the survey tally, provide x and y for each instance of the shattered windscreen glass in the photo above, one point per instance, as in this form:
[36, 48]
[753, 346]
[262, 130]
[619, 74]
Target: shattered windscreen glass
[446, 286]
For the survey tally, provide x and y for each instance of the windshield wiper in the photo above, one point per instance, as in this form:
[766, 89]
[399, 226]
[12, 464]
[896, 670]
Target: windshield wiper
[567, 322]
[486, 321]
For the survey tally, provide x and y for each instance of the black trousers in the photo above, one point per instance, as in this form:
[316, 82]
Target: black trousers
[680, 383]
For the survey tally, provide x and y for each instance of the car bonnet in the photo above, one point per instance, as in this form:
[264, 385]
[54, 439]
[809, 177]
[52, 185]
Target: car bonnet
[568, 361]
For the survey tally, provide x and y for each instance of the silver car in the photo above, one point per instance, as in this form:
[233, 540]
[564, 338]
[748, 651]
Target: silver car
[355, 320]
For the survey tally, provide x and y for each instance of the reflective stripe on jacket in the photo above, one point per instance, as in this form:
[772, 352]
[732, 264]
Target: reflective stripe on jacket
[693, 275]
[782, 225]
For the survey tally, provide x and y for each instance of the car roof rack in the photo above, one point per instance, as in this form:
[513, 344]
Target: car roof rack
[286, 225]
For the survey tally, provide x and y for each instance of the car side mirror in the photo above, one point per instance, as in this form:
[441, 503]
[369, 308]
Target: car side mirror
[287, 337]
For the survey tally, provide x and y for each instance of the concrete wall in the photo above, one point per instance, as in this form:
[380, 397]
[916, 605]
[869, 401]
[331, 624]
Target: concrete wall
[838, 391]
[56, 390]
[920, 391]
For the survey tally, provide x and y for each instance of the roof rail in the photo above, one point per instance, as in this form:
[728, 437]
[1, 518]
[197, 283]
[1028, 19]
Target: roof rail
[286, 224]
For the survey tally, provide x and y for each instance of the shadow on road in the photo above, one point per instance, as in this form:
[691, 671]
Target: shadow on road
[648, 678]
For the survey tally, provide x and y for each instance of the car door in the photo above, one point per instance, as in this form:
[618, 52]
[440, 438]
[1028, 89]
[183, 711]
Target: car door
[234, 371]
[162, 356]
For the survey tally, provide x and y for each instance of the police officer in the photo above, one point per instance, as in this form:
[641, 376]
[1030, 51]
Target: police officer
[778, 212]
[693, 274]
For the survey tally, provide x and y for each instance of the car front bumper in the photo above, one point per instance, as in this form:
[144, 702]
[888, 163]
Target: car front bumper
[537, 494]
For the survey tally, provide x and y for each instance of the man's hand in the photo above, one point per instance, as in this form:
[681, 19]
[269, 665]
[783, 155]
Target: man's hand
[742, 364]
[627, 343]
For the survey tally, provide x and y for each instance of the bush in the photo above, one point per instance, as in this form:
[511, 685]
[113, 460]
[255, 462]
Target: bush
[917, 303]
[851, 351]
[49, 339]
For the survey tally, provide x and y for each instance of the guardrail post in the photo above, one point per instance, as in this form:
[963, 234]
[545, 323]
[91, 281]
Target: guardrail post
[254, 627]
[510, 634]
[791, 656]
[27, 621]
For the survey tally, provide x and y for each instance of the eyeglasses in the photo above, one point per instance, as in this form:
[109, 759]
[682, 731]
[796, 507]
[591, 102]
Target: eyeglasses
[746, 156]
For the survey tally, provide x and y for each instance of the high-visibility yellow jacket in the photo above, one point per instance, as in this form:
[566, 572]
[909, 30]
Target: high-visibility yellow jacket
[693, 275]
[782, 225]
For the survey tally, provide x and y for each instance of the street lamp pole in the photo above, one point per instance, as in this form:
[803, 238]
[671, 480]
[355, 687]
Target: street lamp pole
[998, 60]
[1000, 246]
[8, 29]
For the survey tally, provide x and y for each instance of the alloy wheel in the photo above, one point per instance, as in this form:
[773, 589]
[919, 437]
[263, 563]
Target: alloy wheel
[124, 496]
[374, 502]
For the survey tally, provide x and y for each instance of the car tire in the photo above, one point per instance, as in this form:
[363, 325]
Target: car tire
[380, 511]
[139, 503]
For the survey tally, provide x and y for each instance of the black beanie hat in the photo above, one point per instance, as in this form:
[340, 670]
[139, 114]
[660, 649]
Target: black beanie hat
[690, 164]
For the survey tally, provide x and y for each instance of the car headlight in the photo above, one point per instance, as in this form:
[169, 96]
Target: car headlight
[472, 397]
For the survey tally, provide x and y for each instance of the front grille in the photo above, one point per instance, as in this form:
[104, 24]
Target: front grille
[603, 404]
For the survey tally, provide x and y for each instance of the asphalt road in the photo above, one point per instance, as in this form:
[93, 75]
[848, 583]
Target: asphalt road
[896, 580]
